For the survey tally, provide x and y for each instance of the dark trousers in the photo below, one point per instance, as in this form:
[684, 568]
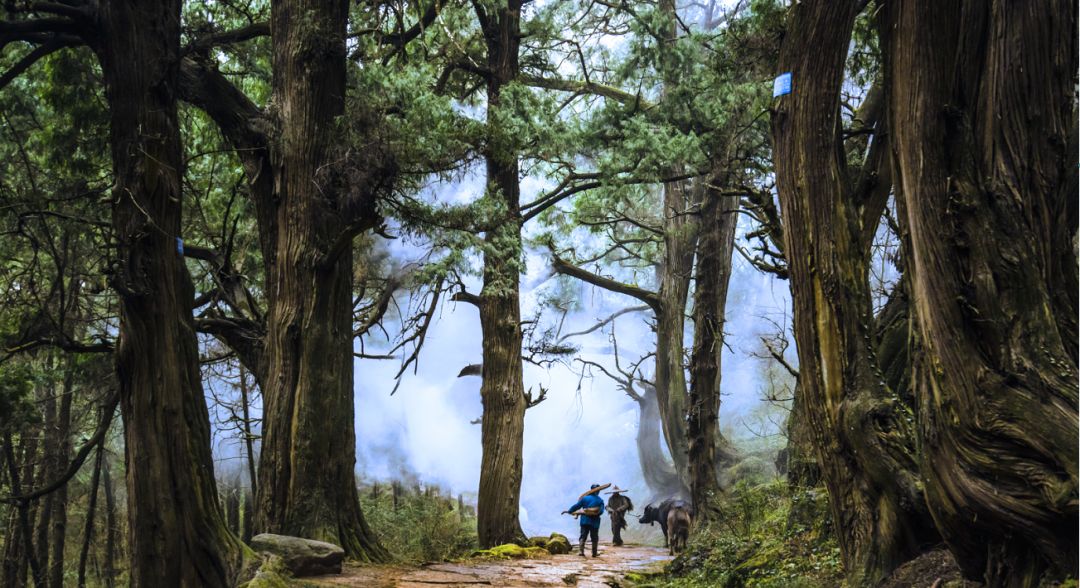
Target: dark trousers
[616, 530]
[586, 532]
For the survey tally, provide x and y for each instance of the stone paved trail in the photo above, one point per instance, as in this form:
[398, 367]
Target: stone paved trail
[558, 570]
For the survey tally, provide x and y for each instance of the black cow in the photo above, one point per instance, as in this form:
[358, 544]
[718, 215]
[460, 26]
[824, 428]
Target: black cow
[659, 514]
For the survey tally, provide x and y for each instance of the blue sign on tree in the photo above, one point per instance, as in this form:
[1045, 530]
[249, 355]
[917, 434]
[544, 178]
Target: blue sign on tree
[781, 85]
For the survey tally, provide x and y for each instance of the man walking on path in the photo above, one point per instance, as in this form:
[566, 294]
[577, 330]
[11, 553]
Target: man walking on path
[589, 507]
[617, 506]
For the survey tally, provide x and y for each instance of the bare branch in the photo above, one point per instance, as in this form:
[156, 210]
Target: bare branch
[601, 324]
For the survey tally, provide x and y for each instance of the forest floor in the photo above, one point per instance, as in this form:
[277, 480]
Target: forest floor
[609, 569]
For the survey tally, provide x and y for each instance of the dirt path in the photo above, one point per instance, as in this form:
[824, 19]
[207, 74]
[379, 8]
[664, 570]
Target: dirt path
[558, 570]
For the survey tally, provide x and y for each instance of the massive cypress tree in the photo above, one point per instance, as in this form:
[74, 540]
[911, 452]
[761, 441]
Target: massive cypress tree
[985, 138]
[307, 486]
[863, 433]
[177, 534]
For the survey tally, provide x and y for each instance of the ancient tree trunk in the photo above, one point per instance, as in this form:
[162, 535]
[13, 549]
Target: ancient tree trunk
[862, 432]
[708, 450]
[680, 238]
[307, 484]
[986, 145]
[176, 532]
[680, 227]
[658, 472]
[503, 389]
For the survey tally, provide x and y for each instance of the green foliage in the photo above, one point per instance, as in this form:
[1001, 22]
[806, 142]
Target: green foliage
[16, 406]
[757, 542]
[419, 526]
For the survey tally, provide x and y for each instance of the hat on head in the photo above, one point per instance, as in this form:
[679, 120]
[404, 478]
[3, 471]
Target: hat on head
[615, 490]
[595, 489]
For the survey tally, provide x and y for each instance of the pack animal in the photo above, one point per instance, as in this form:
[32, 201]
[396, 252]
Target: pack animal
[659, 514]
[678, 525]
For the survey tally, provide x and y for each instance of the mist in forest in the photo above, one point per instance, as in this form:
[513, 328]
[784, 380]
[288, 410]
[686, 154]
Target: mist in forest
[584, 432]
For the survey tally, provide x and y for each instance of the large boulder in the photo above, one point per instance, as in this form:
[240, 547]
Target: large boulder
[302, 557]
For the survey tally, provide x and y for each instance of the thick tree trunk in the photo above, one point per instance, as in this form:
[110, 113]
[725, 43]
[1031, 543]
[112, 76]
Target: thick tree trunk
[307, 483]
[503, 388]
[862, 431]
[680, 226]
[680, 238]
[709, 452]
[176, 532]
[986, 145]
[656, 469]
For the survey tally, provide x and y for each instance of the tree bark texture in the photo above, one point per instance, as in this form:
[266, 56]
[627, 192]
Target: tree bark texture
[656, 469]
[502, 390]
[863, 433]
[709, 452]
[680, 226]
[986, 146]
[176, 531]
[307, 483]
[680, 240]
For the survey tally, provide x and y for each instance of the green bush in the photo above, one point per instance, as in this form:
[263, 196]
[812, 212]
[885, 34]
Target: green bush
[756, 542]
[419, 526]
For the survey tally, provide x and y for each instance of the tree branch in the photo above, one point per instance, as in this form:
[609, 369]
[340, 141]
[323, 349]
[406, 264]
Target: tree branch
[252, 31]
[587, 87]
[108, 408]
[53, 45]
[567, 269]
[605, 322]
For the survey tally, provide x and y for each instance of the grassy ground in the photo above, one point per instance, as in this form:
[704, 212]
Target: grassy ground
[767, 536]
[419, 525]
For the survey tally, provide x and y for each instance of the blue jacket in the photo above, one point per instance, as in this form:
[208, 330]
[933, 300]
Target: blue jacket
[589, 501]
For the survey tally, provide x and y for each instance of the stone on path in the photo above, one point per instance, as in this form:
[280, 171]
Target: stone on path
[303, 557]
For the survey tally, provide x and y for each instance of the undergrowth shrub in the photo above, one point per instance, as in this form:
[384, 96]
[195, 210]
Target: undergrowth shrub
[419, 525]
[767, 536]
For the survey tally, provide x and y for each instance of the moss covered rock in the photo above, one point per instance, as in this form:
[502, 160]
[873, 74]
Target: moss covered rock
[302, 557]
[265, 579]
[512, 551]
[557, 544]
[538, 542]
